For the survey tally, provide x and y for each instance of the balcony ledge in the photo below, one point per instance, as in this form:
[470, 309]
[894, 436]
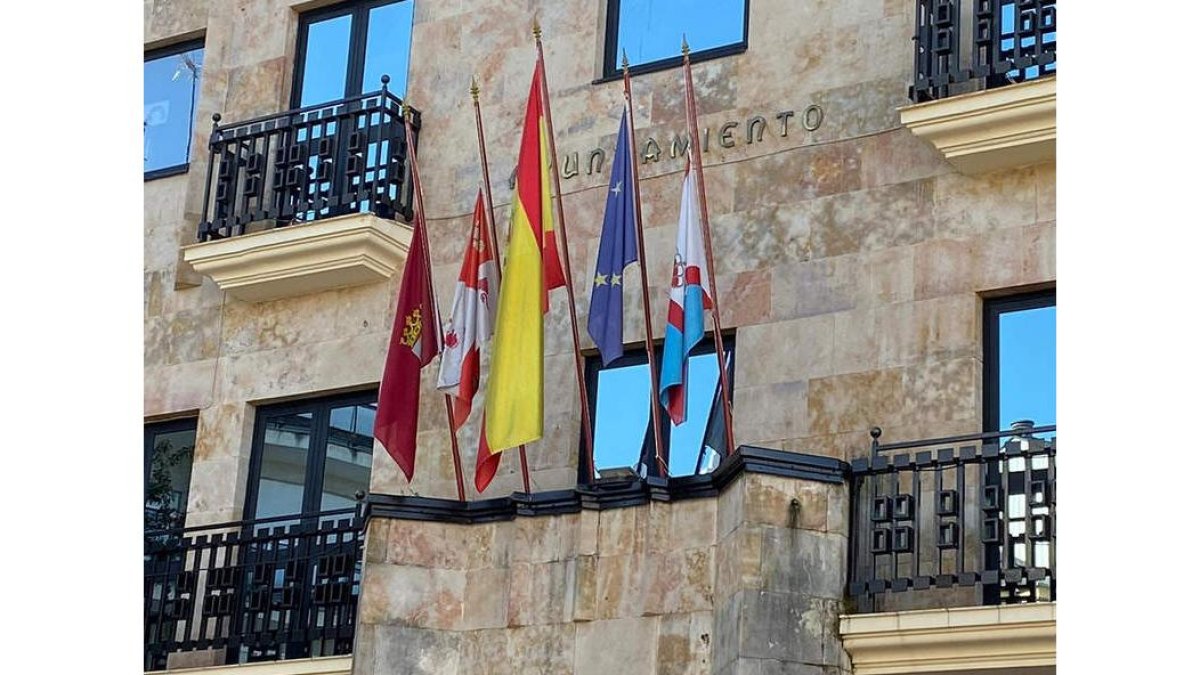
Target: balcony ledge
[989, 130]
[958, 639]
[302, 259]
[327, 665]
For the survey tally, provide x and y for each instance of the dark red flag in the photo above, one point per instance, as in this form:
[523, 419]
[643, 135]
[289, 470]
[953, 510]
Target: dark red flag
[415, 341]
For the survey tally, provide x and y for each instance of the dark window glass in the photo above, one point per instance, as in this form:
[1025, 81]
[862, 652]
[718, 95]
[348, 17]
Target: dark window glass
[651, 31]
[171, 84]
[311, 456]
[621, 399]
[168, 472]
[345, 49]
[1020, 360]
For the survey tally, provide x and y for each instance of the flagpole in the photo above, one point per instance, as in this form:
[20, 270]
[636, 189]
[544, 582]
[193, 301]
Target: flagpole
[583, 399]
[495, 243]
[637, 208]
[420, 208]
[693, 128]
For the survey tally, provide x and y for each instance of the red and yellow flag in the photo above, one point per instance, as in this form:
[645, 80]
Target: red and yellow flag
[516, 384]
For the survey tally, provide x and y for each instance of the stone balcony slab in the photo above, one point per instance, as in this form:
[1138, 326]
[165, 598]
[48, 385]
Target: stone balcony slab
[302, 259]
[951, 640]
[990, 130]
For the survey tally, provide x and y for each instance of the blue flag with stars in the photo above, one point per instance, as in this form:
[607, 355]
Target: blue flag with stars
[618, 248]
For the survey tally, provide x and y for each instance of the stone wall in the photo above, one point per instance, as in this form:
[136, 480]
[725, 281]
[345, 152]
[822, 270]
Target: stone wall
[740, 583]
[850, 259]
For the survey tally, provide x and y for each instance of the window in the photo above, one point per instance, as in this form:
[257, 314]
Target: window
[1019, 360]
[311, 456]
[344, 50]
[171, 84]
[167, 472]
[620, 396]
[651, 32]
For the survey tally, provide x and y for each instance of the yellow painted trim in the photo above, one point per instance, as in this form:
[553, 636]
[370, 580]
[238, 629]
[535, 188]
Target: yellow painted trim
[990, 130]
[302, 259]
[328, 665]
[938, 640]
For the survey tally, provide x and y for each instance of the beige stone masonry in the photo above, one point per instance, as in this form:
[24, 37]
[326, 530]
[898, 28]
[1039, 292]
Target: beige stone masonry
[303, 259]
[956, 639]
[990, 130]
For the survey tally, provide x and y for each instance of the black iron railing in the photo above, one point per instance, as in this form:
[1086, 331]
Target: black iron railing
[1006, 41]
[276, 588]
[347, 156]
[966, 520]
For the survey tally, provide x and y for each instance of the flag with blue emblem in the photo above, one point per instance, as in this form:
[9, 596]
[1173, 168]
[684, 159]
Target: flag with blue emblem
[690, 296]
[618, 248]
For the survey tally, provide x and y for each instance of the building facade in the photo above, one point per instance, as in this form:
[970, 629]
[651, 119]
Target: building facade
[880, 177]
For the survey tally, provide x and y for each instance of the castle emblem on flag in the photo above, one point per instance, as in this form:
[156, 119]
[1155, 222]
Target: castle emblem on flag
[412, 328]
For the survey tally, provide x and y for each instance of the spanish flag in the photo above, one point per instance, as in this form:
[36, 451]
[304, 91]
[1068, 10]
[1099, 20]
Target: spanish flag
[515, 386]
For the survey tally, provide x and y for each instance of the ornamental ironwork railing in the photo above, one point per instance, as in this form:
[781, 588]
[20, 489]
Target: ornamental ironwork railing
[255, 590]
[1004, 41]
[959, 521]
[327, 160]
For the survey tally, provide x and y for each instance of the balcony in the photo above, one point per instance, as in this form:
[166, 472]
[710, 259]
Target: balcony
[986, 98]
[247, 591]
[306, 200]
[952, 554]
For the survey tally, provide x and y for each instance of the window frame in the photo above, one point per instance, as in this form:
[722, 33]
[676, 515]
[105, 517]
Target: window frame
[153, 55]
[992, 309]
[314, 463]
[611, 68]
[151, 430]
[635, 355]
[359, 12]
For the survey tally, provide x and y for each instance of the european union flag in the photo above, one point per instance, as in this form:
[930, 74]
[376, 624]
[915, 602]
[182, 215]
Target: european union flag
[618, 248]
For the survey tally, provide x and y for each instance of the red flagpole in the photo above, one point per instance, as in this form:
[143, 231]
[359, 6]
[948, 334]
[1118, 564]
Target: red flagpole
[566, 258]
[420, 208]
[693, 128]
[495, 243]
[637, 207]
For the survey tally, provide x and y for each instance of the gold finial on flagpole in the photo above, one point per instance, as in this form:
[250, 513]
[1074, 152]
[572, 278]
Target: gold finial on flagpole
[685, 45]
[537, 30]
[474, 90]
[404, 109]
[624, 60]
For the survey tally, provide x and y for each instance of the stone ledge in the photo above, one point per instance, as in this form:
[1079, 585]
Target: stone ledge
[961, 638]
[328, 665]
[302, 259]
[989, 130]
[611, 495]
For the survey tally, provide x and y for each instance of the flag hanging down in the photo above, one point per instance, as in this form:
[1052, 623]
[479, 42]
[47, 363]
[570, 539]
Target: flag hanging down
[415, 340]
[618, 248]
[516, 386]
[689, 297]
[470, 324]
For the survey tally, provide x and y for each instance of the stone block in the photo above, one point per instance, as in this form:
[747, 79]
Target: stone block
[584, 591]
[375, 549]
[786, 627]
[971, 205]
[769, 501]
[685, 644]
[731, 507]
[622, 531]
[485, 651]
[815, 287]
[412, 596]
[543, 649]
[785, 351]
[405, 649]
[539, 593]
[873, 220]
[485, 599]
[678, 581]
[944, 390]
[806, 563]
[619, 583]
[855, 401]
[739, 559]
[890, 277]
[771, 412]
[625, 645]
